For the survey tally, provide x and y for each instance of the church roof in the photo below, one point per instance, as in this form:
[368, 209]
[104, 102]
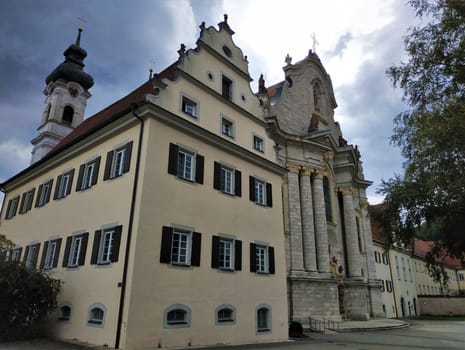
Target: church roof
[72, 67]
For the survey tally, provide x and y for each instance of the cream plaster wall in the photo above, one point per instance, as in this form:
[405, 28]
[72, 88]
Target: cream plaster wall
[167, 200]
[106, 202]
[404, 285]
[383, 272]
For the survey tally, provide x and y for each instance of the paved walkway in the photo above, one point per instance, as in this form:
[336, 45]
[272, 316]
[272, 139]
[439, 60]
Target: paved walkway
[345, 326]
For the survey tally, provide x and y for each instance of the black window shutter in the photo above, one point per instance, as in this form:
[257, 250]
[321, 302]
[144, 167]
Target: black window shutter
[196, 247]
[71, 177]
[29, 205]
[173, 159]
[108, 163]
[36, 254]
[271, 260]
[57, 253]
[80, 176]
[252, 188]
[216, 176]
[96, 169]
[269, 195]
[237, 183]
[47, 198]
[39, 194]
[67, 249]
[199, 165]
[215, 252]
[116, 243]
[127, 157]
[57, 186]
[26, 252]
[44, 254]
[15, 205]
[238, 255]
[7, 215]
[165, 250]
[95, 247]
[253, 257]
[22, 209]
[82, 255]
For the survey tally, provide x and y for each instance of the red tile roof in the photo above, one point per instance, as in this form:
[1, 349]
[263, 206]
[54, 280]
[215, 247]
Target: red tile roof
[421, 248]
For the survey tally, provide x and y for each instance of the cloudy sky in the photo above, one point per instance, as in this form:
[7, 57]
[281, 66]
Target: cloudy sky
[357, 41]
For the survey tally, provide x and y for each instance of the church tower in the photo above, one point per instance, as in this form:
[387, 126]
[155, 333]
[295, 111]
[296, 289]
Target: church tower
[66, 99]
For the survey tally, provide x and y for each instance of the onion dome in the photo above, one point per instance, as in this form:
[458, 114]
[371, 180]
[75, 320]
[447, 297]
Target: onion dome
[72, 68]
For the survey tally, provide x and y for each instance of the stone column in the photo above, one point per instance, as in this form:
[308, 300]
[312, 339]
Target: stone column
[321, 229]
[371, 270]
[308, 228]
[295, 219]
[353, 252]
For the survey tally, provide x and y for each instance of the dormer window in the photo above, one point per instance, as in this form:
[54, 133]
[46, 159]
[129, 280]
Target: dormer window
[68, 114]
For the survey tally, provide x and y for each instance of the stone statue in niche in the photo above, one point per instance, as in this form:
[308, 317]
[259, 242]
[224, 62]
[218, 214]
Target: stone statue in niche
[316, 97]
[336, 271]
[314, 122]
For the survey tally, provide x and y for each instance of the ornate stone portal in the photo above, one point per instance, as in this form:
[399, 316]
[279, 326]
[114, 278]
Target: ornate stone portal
[325, 200]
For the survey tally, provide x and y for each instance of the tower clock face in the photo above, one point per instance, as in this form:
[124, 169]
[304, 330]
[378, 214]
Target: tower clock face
[73, 91]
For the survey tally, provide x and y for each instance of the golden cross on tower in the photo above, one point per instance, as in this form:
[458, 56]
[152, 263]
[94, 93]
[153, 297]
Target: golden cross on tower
[82, 20]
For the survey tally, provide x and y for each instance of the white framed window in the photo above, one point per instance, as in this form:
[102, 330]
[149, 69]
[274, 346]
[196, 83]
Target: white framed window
[31, 254]
[262, 259]
[189, 107]
[50, 254]
[96, 315]
[180, 246]
[15, 254]
[26, 201]
[63, 184]
[75, 250]
[385, 259]
[227, 180]
[226, 254]
[106, 245]
[227, 127]
[186, 165]
[177, 316]
[225, 314]
[263, 322]
[12, 207]
[88, 174]
[397, 267]
[118, 161]
[43, 196]
[377, 257]
[258, 143]
[260, 192]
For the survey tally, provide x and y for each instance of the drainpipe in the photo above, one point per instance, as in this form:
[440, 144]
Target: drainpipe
[392, 283]
[130, 228]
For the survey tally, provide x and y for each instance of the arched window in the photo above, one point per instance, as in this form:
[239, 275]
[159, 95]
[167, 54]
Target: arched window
[177, 316]
[263, 318]
[68, 114]
[96, 314]
[64, 312]
[225, 314]
[327, 195]
[316, 96]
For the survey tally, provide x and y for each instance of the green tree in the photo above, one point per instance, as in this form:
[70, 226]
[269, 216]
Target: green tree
[431, 133]
[26, 297]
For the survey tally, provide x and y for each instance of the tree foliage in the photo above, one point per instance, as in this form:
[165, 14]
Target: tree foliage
[26, 297]
[431, 133]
